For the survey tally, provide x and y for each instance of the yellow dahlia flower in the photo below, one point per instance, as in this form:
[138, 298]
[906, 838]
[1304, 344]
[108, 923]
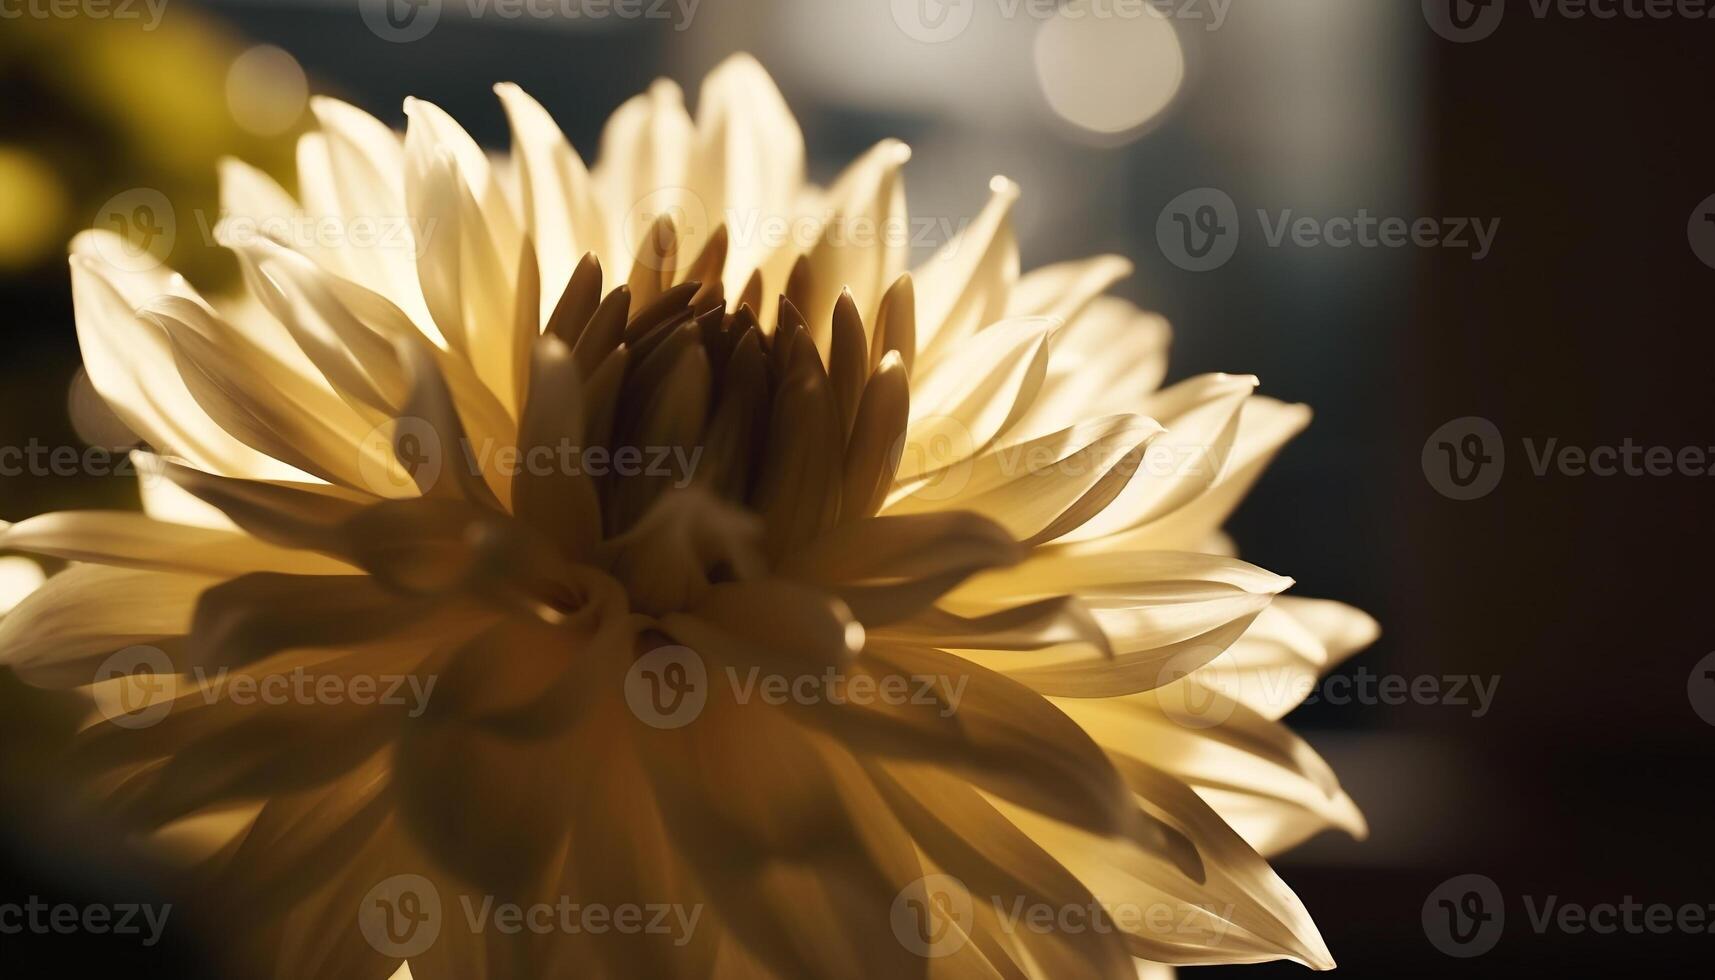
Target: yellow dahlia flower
[549, 572]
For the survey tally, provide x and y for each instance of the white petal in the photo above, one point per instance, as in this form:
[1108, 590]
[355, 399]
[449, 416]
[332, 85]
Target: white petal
[1241, 913]
[58, 634]
[960, 404]
[641, 173]
[468, 266]
[132, 540]
[271, 408]
[1065, 290]
[166, 501]
[561, 211]
[749, 159]
[130, 362]
[964, 288]
[18, 578]
[1202, 419]
[353, 171]
[444, 131]
[1107, 359]
[367, 157]
[1165, 614]
[1264, 426]
[250, 194]
[1276, 664]
[1266, 782]
[1041, 489]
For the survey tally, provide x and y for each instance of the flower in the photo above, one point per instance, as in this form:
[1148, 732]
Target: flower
[849, 614]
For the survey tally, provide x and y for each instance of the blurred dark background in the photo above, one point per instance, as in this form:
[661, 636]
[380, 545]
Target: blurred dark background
[1589, 779]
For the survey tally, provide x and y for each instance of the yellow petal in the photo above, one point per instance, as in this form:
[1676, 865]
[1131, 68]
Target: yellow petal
[135, 541]
[60, 632]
